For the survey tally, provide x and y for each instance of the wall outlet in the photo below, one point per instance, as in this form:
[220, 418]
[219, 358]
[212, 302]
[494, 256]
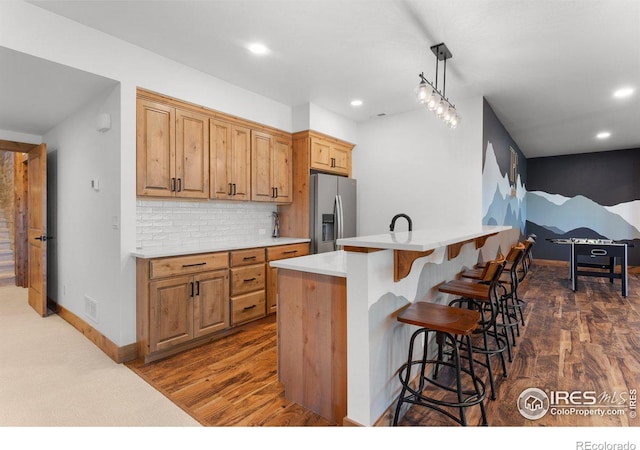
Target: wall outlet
[262, 231]
[95, 184]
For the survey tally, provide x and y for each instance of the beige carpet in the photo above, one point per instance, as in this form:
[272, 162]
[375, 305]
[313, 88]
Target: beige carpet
[51, 375]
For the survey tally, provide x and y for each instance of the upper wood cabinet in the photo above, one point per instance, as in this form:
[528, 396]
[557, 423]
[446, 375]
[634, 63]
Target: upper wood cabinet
[271, 168]
[230, 153]
[172, 151]
[184, 150]
[329, 155]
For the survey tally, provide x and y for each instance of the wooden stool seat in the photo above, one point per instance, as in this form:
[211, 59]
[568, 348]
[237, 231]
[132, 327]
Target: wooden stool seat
[476, 274]
[462, 288]
[441, 318]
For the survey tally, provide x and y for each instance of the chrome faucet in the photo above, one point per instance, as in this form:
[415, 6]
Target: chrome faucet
[393, 221]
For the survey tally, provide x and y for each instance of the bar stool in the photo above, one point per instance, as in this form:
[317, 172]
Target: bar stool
[483, 297]
[508, 307]
[448, 324]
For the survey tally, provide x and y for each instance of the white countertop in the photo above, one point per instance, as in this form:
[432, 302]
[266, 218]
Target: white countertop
[420, 240]
[330, 263]
[159, 252]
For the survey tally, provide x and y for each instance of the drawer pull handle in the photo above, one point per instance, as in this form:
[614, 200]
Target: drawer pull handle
[194, 265]
[250, 280]
[291, 252]
[247, 308]
[247, 258]
[191, 284]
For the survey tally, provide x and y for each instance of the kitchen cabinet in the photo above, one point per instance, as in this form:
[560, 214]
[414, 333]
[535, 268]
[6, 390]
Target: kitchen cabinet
[328, 155]
[172, 151]
[230, 158]
[274, 254]
[312, 152]
[271, 168]
[248, 295]
[180, 301]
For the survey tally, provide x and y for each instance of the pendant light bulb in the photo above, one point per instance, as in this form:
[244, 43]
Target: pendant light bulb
[433, 102]
[440, 108]
[422, 92]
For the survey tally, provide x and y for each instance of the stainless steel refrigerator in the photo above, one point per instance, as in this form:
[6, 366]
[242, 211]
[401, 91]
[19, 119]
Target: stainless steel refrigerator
[332, 211]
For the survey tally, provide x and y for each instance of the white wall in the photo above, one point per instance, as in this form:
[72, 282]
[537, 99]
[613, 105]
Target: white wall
[413, 163]
[8, 135]
[84, 257]
[313, 117]
[32, 30]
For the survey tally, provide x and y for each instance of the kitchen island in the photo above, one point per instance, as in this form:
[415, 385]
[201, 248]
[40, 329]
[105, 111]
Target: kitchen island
[312, 332]
[382, 274]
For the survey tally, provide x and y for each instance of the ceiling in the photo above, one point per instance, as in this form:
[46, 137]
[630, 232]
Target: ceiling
[547, 67]
[36, 94]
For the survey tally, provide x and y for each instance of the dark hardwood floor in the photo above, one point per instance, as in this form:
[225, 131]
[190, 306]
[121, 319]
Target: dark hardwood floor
[588, 340]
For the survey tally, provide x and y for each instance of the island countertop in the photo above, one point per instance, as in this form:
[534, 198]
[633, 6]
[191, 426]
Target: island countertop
[159, 252]
[330, 263]
[420, 240]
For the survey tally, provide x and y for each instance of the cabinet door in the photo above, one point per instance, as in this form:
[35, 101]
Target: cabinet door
[155, 149]
[320, 154]
[211, 302]
[282, 170]
[192, 155]
[272, 290]
[262, 189]
[220, 157]
[341, 159]
[240, 163]
[170, 312]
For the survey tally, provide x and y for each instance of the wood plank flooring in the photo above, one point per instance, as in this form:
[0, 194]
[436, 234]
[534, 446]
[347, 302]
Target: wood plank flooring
[587, 340]
[230, 382]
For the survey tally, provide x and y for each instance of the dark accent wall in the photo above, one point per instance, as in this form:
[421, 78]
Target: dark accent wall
[503, 194]
[607, 178]
[591, 184]
[494, 131]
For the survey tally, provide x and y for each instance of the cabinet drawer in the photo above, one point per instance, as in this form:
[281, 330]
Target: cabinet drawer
[247, 279]
[287, 251]
[247, 257]
[247, 307]
[183, 265]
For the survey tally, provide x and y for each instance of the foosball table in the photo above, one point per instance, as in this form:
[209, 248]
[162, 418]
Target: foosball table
[597, 254]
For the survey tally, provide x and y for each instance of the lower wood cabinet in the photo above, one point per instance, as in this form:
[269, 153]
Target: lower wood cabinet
[177, 306]
[185, 301]
[274, 254]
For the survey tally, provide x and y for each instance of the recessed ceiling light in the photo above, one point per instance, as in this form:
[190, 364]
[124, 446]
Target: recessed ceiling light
[623, 92]
[603, 135]
[356, 102]
[258, 49]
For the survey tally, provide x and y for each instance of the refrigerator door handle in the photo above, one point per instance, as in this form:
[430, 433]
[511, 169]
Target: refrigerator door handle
[340, 221]
[336, 214]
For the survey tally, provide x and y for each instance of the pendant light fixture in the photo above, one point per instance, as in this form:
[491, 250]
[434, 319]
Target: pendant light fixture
[435, 100]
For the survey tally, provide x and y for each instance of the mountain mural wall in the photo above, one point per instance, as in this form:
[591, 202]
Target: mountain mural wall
[504, 174]
[589, 195]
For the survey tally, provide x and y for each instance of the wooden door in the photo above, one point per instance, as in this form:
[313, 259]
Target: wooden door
[192, 155]
[171, 312]
[262, 188]
[211, 302]
[37, 229]
[320, 154]
[220, 156]
[341, 159]
[282, 170]
[155, 149]
[240, 163]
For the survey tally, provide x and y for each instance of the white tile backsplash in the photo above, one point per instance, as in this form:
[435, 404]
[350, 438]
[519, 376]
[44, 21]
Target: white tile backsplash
[170, 223]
